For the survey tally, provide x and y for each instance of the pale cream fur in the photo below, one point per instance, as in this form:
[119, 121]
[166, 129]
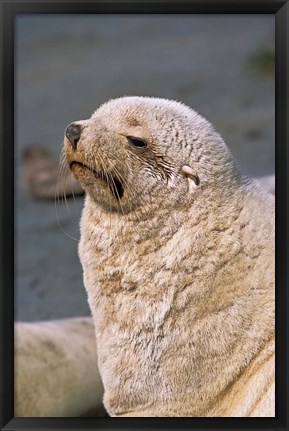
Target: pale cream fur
[179, 272]
[54, 372]
[184, 304]
[36, 361]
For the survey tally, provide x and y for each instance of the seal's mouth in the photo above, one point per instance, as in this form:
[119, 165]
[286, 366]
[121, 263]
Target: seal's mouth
[112, 181]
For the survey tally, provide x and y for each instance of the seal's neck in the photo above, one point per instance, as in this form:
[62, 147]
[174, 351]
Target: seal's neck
[161, 220]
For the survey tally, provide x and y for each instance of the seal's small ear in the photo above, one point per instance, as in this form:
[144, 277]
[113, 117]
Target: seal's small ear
[191, 175]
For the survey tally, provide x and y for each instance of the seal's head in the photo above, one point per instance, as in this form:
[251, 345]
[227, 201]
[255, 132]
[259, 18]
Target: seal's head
[134, 151]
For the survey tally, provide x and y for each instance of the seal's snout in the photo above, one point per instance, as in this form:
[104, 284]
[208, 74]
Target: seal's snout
[72, 133]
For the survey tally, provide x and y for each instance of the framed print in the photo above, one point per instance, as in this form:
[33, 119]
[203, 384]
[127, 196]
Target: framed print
[140, 142]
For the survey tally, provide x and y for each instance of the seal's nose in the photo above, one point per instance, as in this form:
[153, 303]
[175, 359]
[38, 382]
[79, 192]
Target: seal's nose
[72, 133]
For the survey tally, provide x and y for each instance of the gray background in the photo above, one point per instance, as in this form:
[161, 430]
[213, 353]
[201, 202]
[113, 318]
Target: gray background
[67, 65]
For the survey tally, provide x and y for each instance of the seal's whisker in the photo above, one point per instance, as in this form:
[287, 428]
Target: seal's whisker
[104, 170]
[124, 182]
[60, 193]
[61, 176]
[116, 190]
[65, 200]
[115, 170]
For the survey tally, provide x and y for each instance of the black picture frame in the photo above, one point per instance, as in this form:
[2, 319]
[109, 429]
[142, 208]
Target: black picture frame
[9, 9]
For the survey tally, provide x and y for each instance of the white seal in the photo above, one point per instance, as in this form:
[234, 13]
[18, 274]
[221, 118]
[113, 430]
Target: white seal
[177, 249]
